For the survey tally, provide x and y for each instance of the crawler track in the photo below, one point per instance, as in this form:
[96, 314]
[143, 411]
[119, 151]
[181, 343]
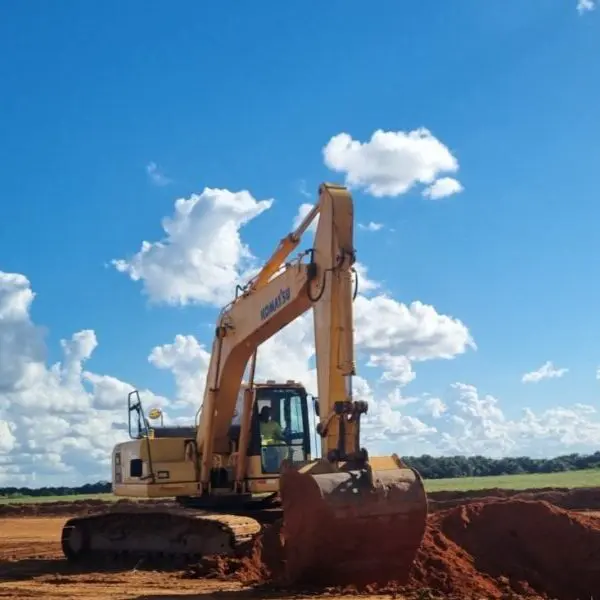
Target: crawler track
[169, 536]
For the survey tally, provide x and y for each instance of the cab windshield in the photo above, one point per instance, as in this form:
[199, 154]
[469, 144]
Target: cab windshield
[282, 423]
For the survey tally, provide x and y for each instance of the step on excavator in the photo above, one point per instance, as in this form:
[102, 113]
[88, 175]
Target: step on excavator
[346, 516]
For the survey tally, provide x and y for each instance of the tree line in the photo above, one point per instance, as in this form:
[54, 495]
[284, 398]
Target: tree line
[442, 467]
[430, 467]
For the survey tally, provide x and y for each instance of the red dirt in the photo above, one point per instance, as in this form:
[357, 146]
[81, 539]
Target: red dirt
[533, 545]
[264, 562]
[72, 508]
[492, 550]
[492, 547]
[572, 499]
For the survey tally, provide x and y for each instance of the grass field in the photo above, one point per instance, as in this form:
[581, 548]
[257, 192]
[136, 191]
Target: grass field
[568, 479]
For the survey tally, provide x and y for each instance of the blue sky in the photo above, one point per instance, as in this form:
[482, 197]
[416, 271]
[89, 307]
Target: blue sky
[247, 99]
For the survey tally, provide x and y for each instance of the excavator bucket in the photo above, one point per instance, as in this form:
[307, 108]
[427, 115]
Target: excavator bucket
[358, 527]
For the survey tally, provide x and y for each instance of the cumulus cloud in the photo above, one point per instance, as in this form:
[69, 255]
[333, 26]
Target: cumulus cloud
[371, 226]
[188, 360]
[584, 6]
[202, 256]
[414, 330]
[435, 407]
[546, 371]
[392, 162]
[386, 420]
[55, 420]
[475, 423]
[397, 368]
[445, 186]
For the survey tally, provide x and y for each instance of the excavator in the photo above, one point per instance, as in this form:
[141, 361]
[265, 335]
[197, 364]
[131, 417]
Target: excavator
[345, 516]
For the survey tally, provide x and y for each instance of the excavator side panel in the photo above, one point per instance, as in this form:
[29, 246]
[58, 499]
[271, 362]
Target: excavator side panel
[153, 468]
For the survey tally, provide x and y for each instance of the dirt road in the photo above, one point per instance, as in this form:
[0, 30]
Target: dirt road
[492, 545]
[32, 566]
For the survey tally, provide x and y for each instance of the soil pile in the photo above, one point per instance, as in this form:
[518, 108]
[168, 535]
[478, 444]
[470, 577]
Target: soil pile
[75, 507]
[572, 499]
[493, 550]
[54, 509]
[525, 545]
[264, 562]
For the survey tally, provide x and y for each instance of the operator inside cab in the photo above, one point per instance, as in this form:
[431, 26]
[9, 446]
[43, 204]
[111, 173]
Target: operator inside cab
[271, 437]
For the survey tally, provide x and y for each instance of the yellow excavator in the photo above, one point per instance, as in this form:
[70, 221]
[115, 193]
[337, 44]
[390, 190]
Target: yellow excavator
[248, 459]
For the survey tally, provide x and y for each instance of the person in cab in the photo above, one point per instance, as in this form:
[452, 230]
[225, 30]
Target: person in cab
[271, 438]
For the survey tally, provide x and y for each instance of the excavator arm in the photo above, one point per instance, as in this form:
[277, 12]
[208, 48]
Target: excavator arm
[320, 279]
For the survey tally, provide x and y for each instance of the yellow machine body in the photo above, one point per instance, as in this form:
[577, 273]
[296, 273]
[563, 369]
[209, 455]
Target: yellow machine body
[347, 517]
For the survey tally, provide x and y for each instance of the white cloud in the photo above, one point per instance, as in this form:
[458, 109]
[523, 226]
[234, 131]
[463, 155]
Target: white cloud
[303, 211]
[365, 284]
[416, 331]
[546, 371]
[476, 424]
[385, 421]
[156, 176]
[584, 6]
[56, 420]
[391, 162]
[396, 368]
[440, 188]
[371, 226]
[435, 407]
[202, 257]
[188, 360]
[7, 438]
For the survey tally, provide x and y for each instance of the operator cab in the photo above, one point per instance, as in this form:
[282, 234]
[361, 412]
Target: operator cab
[279, 426]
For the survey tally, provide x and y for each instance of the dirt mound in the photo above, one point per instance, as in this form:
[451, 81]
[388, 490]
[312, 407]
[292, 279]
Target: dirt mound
[572, 499]
[75, 508]
[265, 560]
[494, 550]
[531, 546]
[51, 509]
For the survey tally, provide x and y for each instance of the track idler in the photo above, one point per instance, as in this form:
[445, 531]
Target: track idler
[359, 526]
